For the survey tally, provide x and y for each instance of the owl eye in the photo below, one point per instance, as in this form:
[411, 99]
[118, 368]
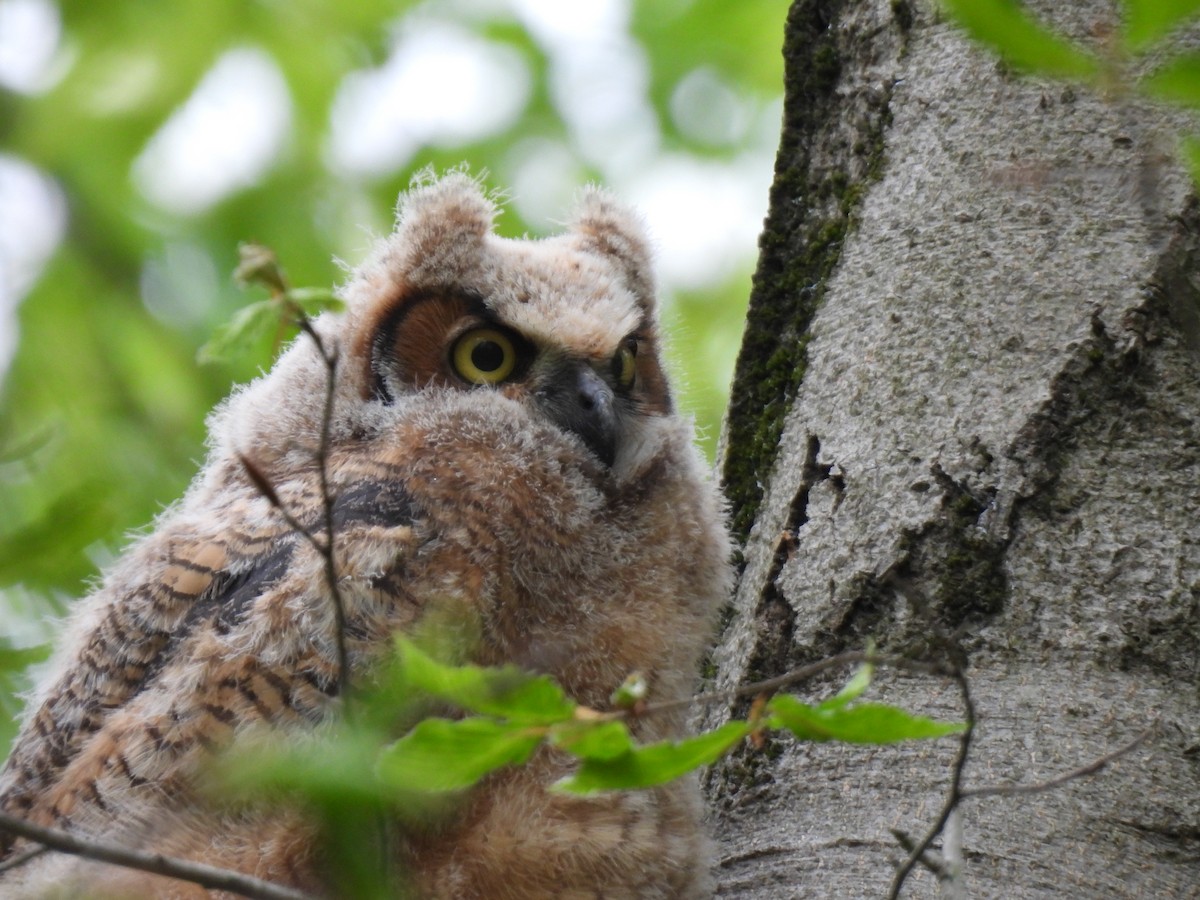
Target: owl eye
[624, 365]
[484, 356]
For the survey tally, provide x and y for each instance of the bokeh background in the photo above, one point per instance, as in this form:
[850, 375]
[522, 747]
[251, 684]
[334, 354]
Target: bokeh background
[141, 141]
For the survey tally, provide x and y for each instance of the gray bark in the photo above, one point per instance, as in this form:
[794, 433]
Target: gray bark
[969, 336]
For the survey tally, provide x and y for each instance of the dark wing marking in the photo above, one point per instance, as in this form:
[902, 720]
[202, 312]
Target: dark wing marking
[383, 503]
[126, 656]
[75, 709]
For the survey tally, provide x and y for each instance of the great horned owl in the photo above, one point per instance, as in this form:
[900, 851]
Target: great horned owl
[503, 438]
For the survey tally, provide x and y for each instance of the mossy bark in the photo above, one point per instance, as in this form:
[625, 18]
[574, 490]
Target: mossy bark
[966, 425]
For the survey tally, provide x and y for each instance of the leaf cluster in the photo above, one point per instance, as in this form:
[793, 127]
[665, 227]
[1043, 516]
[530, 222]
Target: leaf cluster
[494, 717]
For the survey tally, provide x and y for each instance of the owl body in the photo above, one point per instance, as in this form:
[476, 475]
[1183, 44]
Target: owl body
[502, 442]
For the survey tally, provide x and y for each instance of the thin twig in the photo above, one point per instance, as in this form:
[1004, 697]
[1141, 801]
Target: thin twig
[930, 860]
[952, 796]
[21, 858]
[325, 547]
[330, 358]
[1038, 787]
[207, 876]
[263, 485]
[796, 676]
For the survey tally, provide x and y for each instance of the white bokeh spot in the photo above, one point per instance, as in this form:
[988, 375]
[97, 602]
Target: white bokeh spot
[705, 217]
[30, 31]
[707, 109]
[557, 23]
[33, 220]
[442, 85]
[222, 139]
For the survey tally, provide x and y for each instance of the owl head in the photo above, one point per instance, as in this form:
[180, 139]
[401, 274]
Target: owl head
[444, 314]
[565, 326]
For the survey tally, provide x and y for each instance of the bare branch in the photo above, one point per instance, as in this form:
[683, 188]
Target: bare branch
[263, 485]
[930, 860]
[21, 858]
[952, 796]
[207, 876]
[329, 356]
[1038, 787]
[325, 547]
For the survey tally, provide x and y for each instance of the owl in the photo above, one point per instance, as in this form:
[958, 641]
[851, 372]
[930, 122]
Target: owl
[502, 441]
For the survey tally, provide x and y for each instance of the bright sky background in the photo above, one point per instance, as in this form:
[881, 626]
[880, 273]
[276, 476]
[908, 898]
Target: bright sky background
[441, 85]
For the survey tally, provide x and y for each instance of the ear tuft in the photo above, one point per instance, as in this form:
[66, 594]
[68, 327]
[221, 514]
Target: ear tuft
[443, 218]
[606, 227]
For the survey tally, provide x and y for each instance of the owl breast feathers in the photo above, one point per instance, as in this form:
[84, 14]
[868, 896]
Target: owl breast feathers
[503, 442]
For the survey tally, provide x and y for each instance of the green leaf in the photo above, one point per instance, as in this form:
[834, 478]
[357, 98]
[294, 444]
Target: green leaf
[1146, 20]
[592, 740]
[866, 723]
[311, 301]
[853, 690]
[336, 768]
[507, 692]
[632, 690]
[653, 764]
[449, 755]
[1178, 81]
[238, 337]
[1020, 40]
[1190, 151]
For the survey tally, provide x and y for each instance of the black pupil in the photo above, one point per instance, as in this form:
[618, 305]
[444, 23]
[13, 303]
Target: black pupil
[487, 356]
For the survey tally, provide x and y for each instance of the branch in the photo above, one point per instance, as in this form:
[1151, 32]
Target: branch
[1038, 787]
[953, 795]
[930, 860]
[258, 265]
[326, 547]
[14, 862]
[330, 358]
[207, 876]
[796, 676]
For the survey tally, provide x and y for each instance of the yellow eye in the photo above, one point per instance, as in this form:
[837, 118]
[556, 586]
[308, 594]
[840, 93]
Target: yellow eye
[484, 356]
[624, 365]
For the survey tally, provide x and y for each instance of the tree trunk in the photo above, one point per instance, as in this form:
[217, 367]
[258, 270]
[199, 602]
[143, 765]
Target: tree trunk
[966, 424]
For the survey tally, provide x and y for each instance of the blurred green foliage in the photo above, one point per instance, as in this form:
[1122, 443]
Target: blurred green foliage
[102, 408]
[1012, 32]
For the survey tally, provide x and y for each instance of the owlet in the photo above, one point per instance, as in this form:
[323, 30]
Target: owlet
[502, 441]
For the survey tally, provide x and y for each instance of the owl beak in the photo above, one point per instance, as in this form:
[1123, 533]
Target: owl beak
[583, 403]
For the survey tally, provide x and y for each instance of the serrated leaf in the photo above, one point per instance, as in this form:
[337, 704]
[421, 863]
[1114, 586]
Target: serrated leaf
[1177, 82]
[653, 764]
[506, 692]
[592, 740]
[1020, 40]
[449, 755]
[1146, 20]
[237, 337]
[865, 723]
